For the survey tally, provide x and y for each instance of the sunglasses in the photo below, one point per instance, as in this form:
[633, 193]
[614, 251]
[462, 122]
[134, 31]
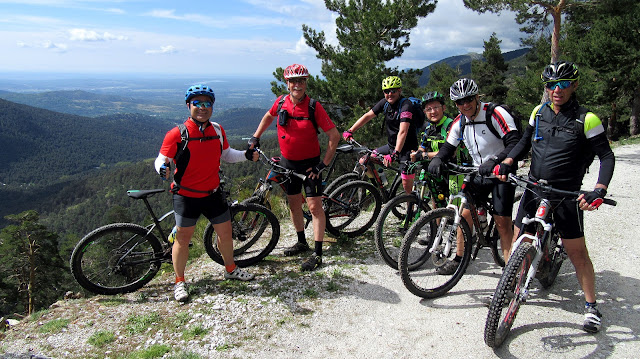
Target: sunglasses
[202, 104]
[388, 91]
[464, 101]
[300, 80]
[551, 85]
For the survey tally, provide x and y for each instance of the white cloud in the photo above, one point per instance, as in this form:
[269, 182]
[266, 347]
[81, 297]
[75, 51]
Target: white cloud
[49, 45]
[169, 49]
[90, 35]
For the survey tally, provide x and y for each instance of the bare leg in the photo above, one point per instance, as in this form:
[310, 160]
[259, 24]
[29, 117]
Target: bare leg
[579, 255]
[180, 249]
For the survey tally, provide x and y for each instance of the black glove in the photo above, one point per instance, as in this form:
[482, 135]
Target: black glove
[248, 154]
[163, 171]
[595, 197]
[318, 168]
[503, 169]
[435, 166]
[255, 141]
[486, 168]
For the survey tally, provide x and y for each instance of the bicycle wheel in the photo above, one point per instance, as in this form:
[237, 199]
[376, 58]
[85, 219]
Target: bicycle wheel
[552, 259]
[507, 297]
[390, 228]
[419, 259]
[117, 258]
[493, 238]
[395, 190]
[260, 200]
[256, 232]
[340, 180]
[352, 208]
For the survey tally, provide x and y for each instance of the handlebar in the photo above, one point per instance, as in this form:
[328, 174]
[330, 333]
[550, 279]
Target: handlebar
[549, 189]
[274, 165]
[378, 160]
[461, 169]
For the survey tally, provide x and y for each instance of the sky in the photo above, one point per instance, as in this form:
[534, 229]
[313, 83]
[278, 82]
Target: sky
[213, 37]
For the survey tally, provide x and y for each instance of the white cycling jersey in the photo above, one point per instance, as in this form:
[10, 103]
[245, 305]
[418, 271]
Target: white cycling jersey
[479, 140]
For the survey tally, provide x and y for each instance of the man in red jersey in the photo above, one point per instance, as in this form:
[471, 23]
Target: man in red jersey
[300, 149]
[196, 181]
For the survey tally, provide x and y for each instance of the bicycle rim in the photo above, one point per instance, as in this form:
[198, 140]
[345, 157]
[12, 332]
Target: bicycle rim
[114, 259]
[508, 295]
[420, 270]
[255, 233]
[352, 208]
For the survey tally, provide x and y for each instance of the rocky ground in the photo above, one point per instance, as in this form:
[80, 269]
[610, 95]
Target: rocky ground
[356, 307]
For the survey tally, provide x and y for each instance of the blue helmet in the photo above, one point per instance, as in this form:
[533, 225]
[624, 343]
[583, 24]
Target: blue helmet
[199, 89]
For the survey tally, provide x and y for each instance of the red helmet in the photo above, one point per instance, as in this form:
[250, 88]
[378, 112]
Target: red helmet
[295, 70]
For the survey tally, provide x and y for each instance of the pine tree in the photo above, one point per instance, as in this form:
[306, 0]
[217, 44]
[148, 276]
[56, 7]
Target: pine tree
[490, 73]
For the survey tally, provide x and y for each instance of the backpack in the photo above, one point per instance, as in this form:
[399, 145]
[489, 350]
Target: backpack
[488, 114]
[417, 105]
[184, 139]
[579, 129]
[312, 111]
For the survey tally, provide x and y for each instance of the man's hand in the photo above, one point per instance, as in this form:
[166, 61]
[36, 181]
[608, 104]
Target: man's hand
[165, 170]
[254, 142]
[314, 172]
[592, 200]
[486, 168]
[501, 171]
[417, 156]
[435, 166]
[347, 135]
[251, 154]
[390, 158]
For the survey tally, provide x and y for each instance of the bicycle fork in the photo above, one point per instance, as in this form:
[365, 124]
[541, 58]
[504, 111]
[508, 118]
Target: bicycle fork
[453, 230]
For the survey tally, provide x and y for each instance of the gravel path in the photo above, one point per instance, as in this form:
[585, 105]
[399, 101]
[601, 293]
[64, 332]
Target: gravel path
[285, 314]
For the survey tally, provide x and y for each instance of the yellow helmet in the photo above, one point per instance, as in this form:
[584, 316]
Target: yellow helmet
[391, 82]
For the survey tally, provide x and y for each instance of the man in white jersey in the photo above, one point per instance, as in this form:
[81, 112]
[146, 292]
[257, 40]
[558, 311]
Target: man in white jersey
[487, 148]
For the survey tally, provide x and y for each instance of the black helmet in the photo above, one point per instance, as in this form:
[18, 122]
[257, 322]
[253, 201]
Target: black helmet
[432, 96]
[559, 71]
[463, 88]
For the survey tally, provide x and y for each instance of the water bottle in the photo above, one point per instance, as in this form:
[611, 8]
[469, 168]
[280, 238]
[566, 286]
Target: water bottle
[383, 176]
[482, 218]
[172, 235]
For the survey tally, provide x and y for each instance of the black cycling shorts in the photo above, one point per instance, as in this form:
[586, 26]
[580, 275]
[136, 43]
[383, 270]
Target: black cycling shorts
[402, 156]
[188, 209]
[502, 194]
[312, 187]
[567, 217]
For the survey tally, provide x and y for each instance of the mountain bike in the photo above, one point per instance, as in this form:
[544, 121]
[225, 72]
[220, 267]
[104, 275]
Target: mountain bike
[432, 241]
[351, 209]
[370, 164]
[539, 254]
[123, 257]
[401, 212]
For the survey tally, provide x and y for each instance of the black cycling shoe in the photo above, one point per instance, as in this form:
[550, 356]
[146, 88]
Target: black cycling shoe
[312, 263]
[297, 248]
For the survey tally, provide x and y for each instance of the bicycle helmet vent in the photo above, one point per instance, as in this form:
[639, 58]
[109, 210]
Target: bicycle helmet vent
[295, 70]
[559, 71]
[199, 89]
[463, 88]
[432, 96]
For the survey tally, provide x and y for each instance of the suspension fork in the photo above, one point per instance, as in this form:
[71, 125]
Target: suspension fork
[456, 223]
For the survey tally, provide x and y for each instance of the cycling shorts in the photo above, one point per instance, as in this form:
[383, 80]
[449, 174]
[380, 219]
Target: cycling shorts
[568, 219]
[188, 209]
[312, 187]
[402, 156]
[502, 194]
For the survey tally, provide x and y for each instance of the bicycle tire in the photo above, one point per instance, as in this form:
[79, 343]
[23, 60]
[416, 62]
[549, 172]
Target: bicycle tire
[260, 200]
[256, 232]
[352, 208]
[551, 262]
[493, 237]
[391, 228]
[340, 180]
[423, 280]
[104, 261]
[395, 190]
[507, 293]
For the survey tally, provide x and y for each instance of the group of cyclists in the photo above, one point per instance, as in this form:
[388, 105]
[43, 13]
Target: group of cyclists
[486, 133]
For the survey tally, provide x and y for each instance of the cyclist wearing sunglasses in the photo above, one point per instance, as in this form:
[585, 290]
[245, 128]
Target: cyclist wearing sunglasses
[486, 150]
[560, 154]
[300, 149]
[400, 125]
[196, 181]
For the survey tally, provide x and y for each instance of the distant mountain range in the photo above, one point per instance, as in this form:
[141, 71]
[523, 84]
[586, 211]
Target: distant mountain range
[464, 63]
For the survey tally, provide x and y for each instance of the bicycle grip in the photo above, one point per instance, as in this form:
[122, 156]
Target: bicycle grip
[609, 201]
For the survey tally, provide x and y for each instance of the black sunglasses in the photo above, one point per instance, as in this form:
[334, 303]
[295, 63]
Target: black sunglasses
[464, 101]
[388, 91]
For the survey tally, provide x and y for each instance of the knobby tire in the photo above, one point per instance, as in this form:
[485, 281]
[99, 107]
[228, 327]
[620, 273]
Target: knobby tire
[352, 208]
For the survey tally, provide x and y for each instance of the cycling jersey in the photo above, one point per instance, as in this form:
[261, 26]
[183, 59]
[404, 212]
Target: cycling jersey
[434, 135]
[392, 122]
[199, 166]
[477, 137]
[298, 139]
[559, 156]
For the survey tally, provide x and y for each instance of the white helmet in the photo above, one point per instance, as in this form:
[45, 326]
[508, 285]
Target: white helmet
[463, 88]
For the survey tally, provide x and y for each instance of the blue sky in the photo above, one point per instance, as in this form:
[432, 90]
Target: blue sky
[237, 37]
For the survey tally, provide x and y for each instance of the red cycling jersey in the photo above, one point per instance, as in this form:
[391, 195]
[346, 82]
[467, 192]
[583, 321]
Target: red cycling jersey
[298, 139]
[199, 164]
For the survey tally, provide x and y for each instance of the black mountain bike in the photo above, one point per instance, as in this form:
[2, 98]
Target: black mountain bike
[123, 257]
[432, 241]
[539, 254]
